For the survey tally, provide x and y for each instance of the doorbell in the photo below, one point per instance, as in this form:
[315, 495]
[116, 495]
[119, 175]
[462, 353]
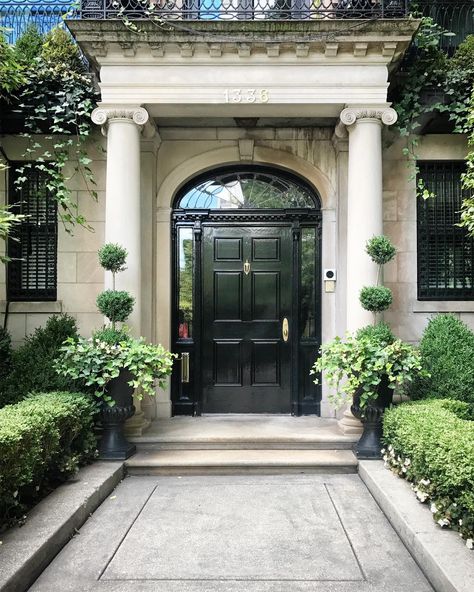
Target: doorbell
[329, 280]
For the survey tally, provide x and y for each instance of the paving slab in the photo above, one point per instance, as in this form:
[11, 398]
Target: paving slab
[292, 533]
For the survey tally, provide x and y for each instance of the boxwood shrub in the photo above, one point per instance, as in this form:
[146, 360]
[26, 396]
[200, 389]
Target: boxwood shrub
[30, 367]
[431, 444]
[43, 440]
[447, 353]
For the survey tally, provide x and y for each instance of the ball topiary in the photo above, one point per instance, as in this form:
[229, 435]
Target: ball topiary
[116, 305]
[111, 336]
[380, 249]
[112, 257]
[375, 298]
[380, 333]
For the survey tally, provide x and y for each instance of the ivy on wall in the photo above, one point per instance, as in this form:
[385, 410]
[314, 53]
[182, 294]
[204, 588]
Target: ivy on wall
[52, 103]
[430, 81]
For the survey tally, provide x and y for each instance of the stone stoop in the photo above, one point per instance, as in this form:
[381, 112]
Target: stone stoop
[240, 462]
[224, 445]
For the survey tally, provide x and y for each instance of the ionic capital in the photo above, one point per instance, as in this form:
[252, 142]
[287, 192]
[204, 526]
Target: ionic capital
[351, 115]
[103, 115]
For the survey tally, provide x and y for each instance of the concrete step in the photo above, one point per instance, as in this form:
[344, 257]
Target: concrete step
[245, 432]
[240, 462]
[150, 444]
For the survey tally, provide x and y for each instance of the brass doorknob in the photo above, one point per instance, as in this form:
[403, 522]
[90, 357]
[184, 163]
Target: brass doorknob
[285, 329]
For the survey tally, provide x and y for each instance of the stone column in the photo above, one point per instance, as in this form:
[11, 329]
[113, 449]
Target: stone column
[364, 202]
[364, 212]
[122, 126]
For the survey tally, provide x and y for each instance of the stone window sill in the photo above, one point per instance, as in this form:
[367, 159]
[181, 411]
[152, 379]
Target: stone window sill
[443, 306]
[32, 307]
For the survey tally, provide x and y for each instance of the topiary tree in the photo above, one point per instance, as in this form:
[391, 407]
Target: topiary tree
[116, 305]
[378, 298]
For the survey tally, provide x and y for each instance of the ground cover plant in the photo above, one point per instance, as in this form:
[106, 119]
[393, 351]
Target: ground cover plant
[447, 353]
[43, 440]
[430, 444]
[30, 367]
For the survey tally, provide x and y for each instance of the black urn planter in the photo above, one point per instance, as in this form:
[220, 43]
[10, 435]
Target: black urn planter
[370, 443]
[114, 445]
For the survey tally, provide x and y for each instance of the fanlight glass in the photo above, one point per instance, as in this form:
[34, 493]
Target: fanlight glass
[247, 190]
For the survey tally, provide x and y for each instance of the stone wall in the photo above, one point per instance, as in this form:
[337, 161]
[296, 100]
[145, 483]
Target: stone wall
[407, 315]
[80, 278]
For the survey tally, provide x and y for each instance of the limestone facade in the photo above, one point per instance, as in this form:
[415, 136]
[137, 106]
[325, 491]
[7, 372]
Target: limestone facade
[173, 109]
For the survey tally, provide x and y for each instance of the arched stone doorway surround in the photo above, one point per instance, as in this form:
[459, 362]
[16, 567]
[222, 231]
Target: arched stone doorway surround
[225, 157]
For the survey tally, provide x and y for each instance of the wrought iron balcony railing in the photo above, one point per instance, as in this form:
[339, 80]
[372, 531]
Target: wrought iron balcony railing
[454, 15]
[246, 9]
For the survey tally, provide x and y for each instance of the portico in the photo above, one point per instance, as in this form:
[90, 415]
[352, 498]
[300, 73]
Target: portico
[302, 98]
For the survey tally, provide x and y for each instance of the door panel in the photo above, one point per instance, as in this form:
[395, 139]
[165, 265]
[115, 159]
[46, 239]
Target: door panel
[246, 293]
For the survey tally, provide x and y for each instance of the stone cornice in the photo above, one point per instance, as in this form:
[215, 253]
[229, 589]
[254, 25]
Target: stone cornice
[305, 40]
[351, 115]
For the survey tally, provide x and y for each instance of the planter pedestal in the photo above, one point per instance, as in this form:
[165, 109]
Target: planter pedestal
[114, 445]
[370, 444]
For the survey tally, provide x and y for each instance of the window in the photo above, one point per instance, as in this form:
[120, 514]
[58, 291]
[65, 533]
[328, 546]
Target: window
[32, 247]
[246, 189]
[445, 251]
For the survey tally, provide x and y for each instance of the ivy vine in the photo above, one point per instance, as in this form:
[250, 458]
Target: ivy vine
[430, 81]
[54, 101]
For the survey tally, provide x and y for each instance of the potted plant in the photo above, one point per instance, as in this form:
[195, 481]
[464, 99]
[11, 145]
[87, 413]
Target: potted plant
[367, 366]
[113, 364]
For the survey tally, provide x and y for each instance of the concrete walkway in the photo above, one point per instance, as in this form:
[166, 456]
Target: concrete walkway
[291, 533]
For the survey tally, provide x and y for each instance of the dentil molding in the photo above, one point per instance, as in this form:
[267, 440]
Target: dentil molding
[386, 115]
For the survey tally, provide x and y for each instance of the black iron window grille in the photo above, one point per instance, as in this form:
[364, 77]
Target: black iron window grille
[32, 246]
[445, 251]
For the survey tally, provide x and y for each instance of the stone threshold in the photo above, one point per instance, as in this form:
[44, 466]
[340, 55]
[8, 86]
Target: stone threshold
[440, 554]
[26, 551]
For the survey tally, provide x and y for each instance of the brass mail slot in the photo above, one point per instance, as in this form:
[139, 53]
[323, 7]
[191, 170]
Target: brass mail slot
[185, 367]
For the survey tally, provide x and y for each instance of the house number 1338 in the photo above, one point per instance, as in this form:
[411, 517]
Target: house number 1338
[247, 95]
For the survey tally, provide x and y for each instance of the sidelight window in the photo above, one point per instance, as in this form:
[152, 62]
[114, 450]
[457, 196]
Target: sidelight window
[185, 283]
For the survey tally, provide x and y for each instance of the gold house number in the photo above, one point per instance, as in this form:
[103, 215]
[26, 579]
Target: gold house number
[246, 95]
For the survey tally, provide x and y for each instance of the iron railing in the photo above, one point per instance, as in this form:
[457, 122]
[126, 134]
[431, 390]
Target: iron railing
[17, 15]
[454, 15]
[246, 9]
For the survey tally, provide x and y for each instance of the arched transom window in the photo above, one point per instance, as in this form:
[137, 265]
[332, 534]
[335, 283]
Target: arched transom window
[246, 189]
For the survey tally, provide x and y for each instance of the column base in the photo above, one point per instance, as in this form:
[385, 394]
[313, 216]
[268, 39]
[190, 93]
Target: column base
[350, 424]
[136, 425]
[163, 409]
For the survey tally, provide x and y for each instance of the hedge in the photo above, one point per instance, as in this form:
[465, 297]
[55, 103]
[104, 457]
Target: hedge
[447, 353]
[431, 444]
[43, 440]
[30, 368]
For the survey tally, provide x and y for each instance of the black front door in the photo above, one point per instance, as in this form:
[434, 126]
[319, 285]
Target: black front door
[246, 319]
